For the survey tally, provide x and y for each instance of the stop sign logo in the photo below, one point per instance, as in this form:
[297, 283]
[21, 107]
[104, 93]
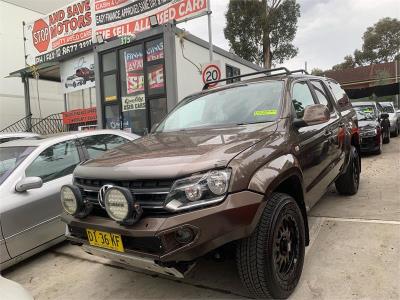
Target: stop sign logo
[41, 35]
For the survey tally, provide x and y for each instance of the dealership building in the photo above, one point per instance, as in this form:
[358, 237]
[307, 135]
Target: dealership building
[119, 65]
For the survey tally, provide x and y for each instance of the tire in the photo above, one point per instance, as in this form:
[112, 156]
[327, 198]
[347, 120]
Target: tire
[396, 132]
[348, 182]
[379, 151]
[277, 241]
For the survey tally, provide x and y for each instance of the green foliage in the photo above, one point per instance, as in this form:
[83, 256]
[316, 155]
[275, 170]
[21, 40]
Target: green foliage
[317, 72]
[347, 64]
[262, 31]
[381, 43]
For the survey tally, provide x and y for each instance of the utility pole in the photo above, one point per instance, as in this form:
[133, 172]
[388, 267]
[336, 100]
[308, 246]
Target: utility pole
[210, 49]
[396, 72]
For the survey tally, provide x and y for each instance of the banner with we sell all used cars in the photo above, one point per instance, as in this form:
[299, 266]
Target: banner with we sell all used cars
[73, 28]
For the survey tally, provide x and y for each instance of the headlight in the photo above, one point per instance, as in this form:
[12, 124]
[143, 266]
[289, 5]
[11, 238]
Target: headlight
[198, 190]
[72, 202]
[121, 206]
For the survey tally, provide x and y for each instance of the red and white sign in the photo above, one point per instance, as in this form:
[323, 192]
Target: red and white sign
[211, 72]
[62, 32]
[119, 18]
[79, 116]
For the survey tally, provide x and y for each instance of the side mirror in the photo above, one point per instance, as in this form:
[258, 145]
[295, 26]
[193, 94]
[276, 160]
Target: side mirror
[313, 115]
[28, 183]
[153, 128]
[384, 115]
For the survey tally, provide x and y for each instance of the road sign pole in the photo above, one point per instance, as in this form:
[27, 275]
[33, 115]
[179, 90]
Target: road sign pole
[210, 48]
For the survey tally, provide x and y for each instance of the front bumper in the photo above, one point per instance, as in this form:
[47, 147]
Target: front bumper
[153, 237]
[369, 144]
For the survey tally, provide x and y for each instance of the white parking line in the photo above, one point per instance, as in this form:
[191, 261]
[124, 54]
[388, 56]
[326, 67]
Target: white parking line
[358, 220]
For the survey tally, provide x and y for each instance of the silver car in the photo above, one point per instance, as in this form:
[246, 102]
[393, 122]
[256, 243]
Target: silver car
[394, 117]
[32, 172]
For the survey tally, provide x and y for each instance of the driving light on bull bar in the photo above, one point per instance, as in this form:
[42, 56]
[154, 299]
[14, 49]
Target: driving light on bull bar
[198, 190]
[72, 202]
[121, 206]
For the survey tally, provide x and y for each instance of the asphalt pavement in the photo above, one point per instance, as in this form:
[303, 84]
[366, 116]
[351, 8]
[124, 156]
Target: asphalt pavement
[354, 254]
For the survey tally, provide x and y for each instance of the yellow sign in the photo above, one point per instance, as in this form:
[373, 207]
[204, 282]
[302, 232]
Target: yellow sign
[106, 240]
[267, 112]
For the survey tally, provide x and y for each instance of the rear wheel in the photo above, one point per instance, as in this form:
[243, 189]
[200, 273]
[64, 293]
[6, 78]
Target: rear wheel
[386, 136]
[270, 261]
[347, 183]
[396, 132]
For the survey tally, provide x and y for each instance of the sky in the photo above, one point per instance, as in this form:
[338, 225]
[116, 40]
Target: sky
[327, 29]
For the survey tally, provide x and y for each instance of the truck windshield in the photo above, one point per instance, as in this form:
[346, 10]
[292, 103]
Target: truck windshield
[387, 108]
[365, 113]
[10, 158]
[241, 104]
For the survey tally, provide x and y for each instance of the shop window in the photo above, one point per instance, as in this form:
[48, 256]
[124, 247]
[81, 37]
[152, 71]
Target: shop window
[131, 65]
[155, 79]
[158, 110]
[112, 117]
[155, 50]
[110, 87]
[109, 62]
[232, 71]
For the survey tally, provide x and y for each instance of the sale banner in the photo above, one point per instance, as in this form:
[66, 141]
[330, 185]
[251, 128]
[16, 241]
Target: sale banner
[126, 18]
[74, 27]
[65, 31]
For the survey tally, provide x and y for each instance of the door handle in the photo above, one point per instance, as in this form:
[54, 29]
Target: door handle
[328, 133]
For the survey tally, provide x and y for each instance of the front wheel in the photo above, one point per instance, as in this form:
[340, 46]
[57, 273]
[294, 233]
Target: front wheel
[348, 182]
[270, 261]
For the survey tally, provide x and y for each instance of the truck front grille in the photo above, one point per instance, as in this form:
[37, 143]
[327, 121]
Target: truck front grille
[151, 194]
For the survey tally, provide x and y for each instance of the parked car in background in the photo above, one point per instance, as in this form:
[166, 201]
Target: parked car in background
[7, 137]
[394, 117]
[74, 81]
[32, 172]
[239, 163]
[86, 73]
[381, 117]
[371, 135]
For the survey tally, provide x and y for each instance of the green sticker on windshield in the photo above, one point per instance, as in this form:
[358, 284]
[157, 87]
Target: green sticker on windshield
[368, 110]
[267, 112]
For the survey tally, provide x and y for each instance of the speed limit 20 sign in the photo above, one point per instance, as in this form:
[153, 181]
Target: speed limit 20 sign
[211, 72]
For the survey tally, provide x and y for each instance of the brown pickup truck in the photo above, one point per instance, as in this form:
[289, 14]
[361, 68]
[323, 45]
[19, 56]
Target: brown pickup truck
[241, 163]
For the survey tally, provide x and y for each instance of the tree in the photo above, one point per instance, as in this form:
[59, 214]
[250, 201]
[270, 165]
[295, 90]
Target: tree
[262, 31]
[347, 64]
[381, 43]
[317, 72]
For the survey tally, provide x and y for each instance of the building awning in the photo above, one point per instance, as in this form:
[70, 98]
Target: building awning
[47, 71]
[378, 90]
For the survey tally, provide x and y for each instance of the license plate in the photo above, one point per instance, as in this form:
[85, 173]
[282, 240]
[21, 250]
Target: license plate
[106, 240]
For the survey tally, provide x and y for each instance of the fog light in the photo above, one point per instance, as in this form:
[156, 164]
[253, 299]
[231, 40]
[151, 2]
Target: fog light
[184, 235]
[121, 206]
[72, 202]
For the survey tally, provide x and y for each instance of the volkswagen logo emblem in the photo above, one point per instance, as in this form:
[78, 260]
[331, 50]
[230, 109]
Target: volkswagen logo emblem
[102, 193]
